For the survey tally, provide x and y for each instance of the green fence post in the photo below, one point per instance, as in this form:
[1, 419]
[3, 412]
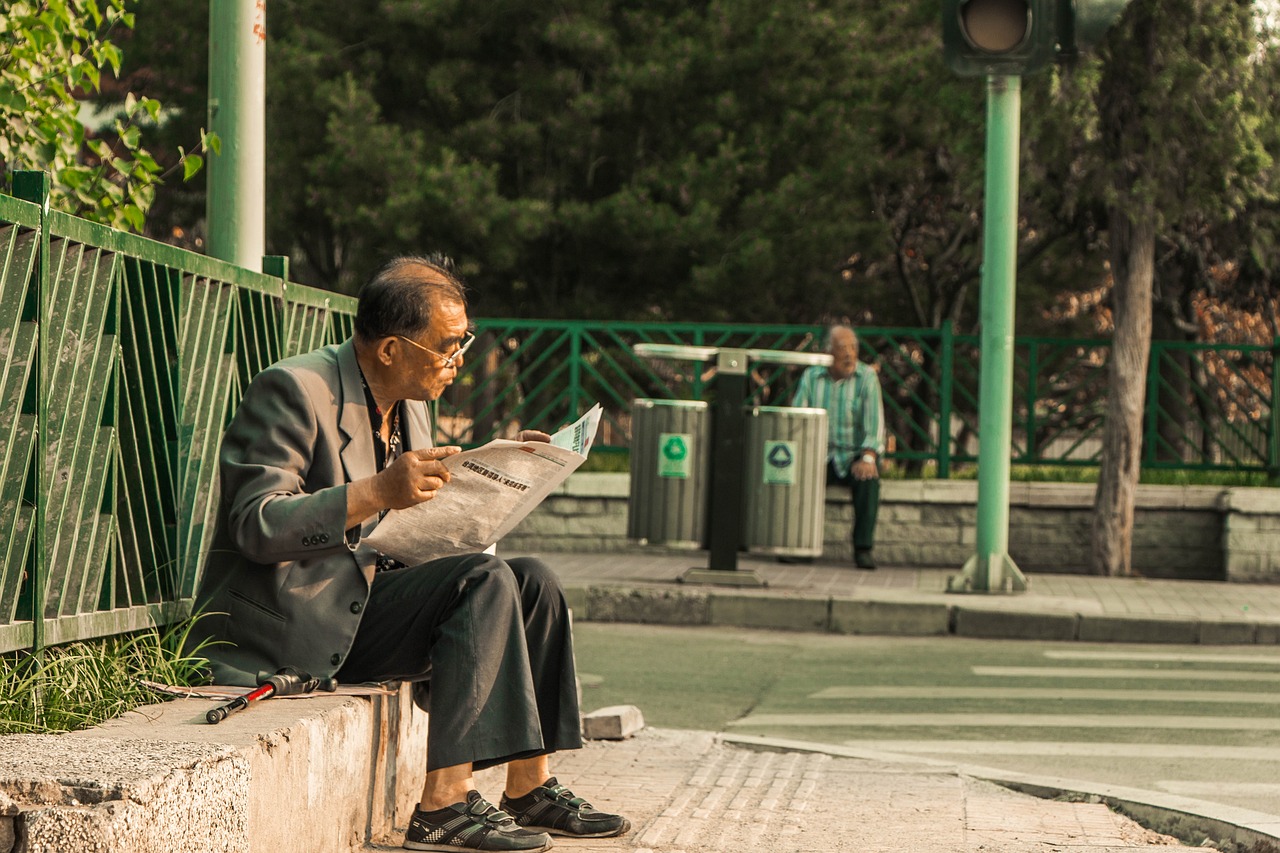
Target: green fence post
[945, 390]
[1273, 422]
[575, 371]
[1151, 441]
[34, 187]
[276, 265]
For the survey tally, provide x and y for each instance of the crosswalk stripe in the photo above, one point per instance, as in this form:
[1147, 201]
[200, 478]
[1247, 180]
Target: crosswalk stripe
[1046, 693]
[1107, 672]
[1163, 657]
[1066, 721]
[1070, 750]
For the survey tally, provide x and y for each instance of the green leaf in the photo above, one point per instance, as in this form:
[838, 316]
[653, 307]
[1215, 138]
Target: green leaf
[134, 216]
[191, 164]
[11, 99]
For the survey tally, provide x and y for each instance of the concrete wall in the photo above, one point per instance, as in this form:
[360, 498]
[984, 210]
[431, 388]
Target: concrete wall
[319, 773]
[1201, 532]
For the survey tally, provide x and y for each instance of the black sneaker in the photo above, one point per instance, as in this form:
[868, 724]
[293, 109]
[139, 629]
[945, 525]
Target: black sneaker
[553, 808]
[473, 825]
[864, 560]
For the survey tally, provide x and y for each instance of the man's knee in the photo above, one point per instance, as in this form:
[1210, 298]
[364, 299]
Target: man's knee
[537, 582]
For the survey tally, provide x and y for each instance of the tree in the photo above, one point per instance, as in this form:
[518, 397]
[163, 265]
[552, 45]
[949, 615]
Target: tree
[1178, 135]
[55, 56]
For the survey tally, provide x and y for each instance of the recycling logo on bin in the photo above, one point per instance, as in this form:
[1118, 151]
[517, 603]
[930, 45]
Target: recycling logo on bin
[780, 463]
[674, 456]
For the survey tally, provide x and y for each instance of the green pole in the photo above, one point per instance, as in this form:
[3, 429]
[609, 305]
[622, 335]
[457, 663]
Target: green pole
[235, 203]
[991, 569]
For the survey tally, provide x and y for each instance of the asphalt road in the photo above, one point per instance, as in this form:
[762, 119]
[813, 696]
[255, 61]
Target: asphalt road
[1200, 722]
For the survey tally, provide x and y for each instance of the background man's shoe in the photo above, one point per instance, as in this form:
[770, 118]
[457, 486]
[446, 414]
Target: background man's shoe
[552, 808]
[864, 560]
[796, 561]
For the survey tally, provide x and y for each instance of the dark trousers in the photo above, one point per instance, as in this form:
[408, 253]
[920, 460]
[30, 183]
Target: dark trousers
[495, 640]
[866, 505]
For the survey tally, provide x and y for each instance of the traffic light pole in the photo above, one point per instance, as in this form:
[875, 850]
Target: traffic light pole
[991, 569]
[235, 207]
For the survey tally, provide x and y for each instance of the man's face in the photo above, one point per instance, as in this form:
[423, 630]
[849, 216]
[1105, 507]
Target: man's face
[423, 374]
[844, 353]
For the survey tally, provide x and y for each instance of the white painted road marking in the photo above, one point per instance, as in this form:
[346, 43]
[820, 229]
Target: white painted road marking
[1107, 672]
[1163, 657]
[1064, 721]
[1046, 693]
[1070, 750]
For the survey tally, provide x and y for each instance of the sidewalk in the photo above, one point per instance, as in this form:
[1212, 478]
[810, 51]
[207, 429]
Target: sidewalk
[688, 791]
[644, 586]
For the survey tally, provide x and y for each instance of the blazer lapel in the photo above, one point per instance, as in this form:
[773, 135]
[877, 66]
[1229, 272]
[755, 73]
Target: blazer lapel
[353, 417]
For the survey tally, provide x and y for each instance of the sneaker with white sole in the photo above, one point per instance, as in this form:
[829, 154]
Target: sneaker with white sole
[474, 825]
[552, 808]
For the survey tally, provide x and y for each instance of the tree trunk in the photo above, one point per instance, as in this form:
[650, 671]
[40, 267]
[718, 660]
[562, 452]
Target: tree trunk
[1132, 235]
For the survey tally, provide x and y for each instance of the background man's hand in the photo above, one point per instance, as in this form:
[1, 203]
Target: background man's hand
[532, 435]
[864, 470]
[414, 478]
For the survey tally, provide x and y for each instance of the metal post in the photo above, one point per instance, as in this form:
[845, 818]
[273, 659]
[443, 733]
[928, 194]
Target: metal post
[991, 569]
[236, 200]
[728, 443]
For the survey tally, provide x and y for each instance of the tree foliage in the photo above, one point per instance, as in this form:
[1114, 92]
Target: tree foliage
[55, 59]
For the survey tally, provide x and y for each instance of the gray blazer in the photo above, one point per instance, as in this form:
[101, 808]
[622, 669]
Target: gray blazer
[285, 584]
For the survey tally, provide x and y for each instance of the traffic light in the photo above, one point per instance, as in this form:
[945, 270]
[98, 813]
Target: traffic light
[1017, 37]
[999, 37]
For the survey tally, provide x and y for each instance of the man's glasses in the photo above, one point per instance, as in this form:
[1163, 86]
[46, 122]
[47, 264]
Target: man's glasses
[449, 360]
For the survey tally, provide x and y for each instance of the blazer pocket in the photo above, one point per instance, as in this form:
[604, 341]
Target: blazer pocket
[252, 625]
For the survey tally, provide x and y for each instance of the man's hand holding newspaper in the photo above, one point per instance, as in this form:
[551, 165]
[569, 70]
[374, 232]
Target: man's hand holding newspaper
[490, 490]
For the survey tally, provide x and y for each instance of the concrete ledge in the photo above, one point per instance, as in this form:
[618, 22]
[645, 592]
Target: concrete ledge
[1138, 629]
[161, 778]
[1014, 625]
[890, 618]
[651, 606]
[787, 614]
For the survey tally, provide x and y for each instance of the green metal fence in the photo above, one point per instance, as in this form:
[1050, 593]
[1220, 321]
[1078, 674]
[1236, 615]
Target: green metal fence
[122, 359]
[1210, 406]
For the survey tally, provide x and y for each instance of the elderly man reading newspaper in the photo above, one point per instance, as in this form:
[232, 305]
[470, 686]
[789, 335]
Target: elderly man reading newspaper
[324, 445]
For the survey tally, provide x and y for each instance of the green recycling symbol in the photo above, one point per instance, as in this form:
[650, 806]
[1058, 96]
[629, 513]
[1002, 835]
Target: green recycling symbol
[674, 456]
[780, 456]
[779, 463]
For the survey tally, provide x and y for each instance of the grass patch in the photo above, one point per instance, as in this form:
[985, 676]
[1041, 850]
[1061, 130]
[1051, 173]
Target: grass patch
[82, 684]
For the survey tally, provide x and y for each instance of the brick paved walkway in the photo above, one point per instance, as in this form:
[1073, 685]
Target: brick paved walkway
[688, 793]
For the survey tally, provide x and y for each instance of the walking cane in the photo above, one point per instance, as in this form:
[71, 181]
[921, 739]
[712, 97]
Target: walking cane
[286, 682]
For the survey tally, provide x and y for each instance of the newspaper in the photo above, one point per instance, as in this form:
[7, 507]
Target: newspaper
[490, 490]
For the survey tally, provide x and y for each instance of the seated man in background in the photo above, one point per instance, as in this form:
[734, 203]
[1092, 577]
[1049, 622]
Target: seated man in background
[850, 392]
[321, 446]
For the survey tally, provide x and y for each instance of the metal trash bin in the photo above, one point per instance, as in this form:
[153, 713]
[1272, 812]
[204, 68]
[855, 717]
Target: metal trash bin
[670, 472]
[786, 481]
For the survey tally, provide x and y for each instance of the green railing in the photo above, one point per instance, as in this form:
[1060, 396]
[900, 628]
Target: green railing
[122, 359]
[1210, 406]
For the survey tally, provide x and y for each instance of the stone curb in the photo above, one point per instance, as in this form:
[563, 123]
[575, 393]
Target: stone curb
[1162, 812]
[897, 616]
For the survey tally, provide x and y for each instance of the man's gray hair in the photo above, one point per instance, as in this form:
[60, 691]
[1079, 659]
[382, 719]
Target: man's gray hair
[830, 333]
[399, 299]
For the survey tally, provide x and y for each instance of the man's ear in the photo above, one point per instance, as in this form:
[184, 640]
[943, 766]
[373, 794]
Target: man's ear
[385, 350]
